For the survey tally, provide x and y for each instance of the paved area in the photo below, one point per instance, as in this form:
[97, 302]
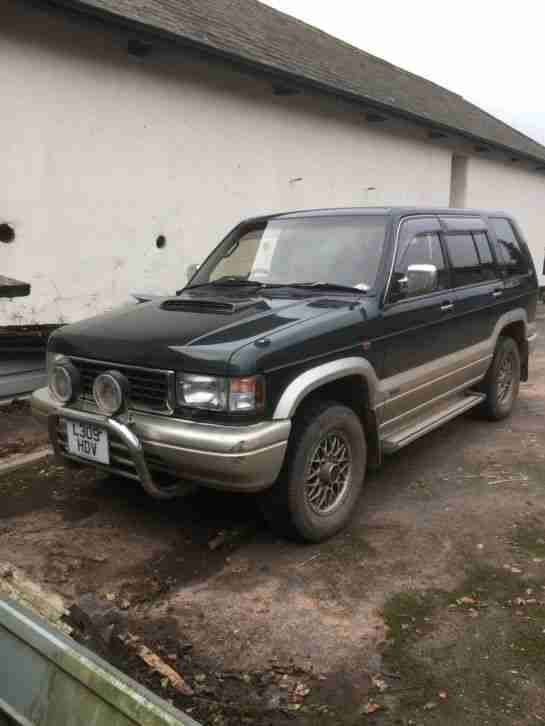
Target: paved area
[430, 609]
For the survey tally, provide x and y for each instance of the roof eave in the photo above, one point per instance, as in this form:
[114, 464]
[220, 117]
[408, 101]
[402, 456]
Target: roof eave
[261, 69]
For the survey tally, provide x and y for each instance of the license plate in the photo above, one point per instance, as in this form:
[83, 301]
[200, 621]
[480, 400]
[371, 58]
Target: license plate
[88, 442]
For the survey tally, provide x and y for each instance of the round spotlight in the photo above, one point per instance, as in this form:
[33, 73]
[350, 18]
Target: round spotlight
[111, 392]
[65, 382]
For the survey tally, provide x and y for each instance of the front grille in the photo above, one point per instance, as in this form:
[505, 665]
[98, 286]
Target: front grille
[150, 390]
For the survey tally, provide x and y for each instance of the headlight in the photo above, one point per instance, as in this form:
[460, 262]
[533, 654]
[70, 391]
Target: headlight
[111, 392]
[210, 393]
[64, 380]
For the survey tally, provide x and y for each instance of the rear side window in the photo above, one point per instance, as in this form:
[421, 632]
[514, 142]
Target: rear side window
[488, 266]
[508, 249]
[465, 260]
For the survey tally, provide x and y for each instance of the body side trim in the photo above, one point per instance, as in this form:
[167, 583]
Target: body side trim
[450, 392]
[427, 374]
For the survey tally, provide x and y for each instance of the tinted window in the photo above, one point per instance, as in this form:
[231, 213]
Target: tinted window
[508, 248]
[422, 249]
[465, 262]
[488, 266]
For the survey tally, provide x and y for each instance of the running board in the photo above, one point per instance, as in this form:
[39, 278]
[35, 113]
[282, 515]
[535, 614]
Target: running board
[400, 438]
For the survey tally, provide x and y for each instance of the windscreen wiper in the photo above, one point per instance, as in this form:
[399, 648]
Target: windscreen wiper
[230, 281]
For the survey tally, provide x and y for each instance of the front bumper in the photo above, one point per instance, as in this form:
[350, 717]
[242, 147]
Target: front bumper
[236, 458]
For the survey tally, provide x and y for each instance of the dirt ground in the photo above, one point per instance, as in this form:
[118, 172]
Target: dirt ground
[430, 609]
[19, 432]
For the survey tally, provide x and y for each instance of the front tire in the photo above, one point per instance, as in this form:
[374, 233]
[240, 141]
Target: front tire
[323, 474]
[501, 385]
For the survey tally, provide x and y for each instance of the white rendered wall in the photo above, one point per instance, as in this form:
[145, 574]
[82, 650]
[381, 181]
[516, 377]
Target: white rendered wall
[101, 153]
[501, 186]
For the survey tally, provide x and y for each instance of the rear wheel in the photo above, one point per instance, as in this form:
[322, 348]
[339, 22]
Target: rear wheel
[501, 385]
[322, 475]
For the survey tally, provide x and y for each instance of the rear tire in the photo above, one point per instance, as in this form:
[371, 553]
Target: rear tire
[322, 476]
[501, 385]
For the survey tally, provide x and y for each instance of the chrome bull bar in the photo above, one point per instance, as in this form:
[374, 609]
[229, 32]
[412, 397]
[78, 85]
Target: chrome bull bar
[130, 440]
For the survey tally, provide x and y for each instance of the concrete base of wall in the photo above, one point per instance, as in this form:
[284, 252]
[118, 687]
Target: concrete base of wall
[20, 375]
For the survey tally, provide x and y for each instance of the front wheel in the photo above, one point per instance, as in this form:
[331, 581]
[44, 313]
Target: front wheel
[322, 476]
[501, 385]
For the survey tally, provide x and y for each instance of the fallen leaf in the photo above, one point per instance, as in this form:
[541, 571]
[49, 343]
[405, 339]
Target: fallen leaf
[300, 691]
[371, 708]
[430, 706]
[379, 683]
[466, 600]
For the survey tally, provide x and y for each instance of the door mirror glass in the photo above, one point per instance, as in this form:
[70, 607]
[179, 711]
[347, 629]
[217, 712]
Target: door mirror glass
[191, 271]
[420, 279]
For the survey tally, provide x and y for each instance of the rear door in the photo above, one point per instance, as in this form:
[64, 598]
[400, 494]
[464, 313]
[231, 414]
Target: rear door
[479, 293]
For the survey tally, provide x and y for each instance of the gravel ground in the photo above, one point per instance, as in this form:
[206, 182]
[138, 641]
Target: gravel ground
[429, 609]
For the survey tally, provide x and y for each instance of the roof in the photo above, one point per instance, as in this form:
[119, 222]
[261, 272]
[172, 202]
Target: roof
[394, 211]
[252, 33]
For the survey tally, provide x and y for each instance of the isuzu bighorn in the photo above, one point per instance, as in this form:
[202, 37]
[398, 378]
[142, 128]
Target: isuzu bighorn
[305, 348]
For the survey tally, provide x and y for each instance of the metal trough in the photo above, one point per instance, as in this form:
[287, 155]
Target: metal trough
[46, 679]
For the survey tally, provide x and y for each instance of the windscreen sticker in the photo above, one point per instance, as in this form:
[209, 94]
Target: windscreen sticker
[265, 253]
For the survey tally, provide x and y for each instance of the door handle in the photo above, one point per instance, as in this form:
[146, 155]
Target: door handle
[447, 307]
[497, 293]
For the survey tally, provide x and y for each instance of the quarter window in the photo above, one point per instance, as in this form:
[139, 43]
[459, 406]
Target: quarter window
[508, 248]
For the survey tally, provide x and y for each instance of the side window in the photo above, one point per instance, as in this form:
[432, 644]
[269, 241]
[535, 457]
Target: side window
[508, 250]
[464, 258]
[488, 266]
[421, 249]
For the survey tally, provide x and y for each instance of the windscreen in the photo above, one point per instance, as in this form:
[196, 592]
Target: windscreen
[342, 250]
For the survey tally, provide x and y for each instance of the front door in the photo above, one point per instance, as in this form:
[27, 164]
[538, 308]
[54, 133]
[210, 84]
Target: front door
[416, 344]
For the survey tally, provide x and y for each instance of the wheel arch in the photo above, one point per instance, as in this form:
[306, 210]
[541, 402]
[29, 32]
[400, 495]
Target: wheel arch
[349, 381]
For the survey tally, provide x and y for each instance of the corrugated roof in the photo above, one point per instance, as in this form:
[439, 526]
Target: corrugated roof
[248, 31]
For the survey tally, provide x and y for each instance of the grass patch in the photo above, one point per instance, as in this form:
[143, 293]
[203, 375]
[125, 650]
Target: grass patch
[481, 644]
[529, 540]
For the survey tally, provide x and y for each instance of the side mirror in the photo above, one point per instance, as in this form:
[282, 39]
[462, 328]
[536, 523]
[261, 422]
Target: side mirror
[191, 271]
[421, 279]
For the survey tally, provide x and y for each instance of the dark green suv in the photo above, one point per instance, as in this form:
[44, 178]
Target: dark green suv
[306, 347]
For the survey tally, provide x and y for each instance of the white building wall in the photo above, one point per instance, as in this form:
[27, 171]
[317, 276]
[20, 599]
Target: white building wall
[101, 153]
[500, 186]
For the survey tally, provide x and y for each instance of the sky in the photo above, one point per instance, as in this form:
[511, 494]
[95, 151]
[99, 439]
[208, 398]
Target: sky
[492, 53]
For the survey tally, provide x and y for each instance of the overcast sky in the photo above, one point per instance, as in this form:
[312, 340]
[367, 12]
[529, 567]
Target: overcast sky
[492, 53]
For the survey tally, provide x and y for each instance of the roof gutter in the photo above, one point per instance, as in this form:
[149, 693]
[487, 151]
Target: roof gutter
[79, 8]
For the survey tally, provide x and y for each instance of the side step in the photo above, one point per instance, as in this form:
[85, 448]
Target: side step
[417, 428]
